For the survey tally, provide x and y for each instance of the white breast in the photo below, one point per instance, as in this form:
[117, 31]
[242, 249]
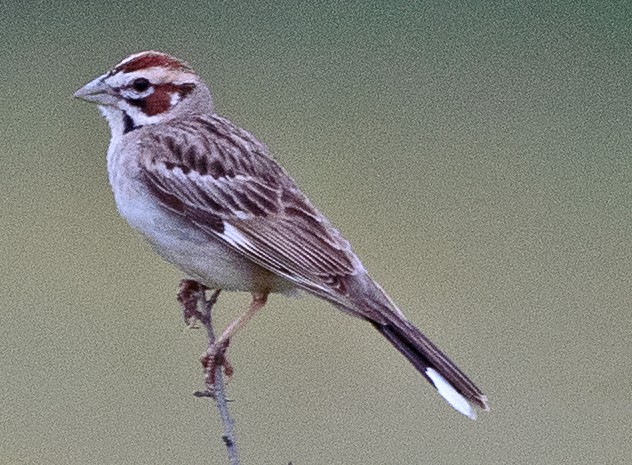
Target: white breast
[199, 254]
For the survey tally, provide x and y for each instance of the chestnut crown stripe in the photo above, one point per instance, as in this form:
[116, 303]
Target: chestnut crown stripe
[151, 60]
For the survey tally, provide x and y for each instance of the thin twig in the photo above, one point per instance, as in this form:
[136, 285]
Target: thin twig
[219, 393]
[215, 379]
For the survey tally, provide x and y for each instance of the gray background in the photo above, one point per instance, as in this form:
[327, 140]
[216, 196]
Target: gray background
[477, 155]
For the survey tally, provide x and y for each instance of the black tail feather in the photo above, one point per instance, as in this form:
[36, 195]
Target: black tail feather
[423, 354]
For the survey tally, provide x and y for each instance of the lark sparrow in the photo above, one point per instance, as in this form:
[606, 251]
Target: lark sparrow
[211, 199]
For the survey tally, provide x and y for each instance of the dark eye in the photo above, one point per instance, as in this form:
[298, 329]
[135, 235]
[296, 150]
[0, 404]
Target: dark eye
[140, 84]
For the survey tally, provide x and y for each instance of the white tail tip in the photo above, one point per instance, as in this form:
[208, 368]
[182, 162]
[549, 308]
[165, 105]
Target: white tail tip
[450, 394]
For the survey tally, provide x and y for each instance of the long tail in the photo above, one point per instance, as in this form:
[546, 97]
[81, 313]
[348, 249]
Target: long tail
[367, 300]
[453, 385]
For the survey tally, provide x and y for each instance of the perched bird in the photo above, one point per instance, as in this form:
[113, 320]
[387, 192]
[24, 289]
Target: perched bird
[210, 199]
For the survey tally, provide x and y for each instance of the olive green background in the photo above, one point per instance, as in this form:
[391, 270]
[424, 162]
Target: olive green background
[476, 154]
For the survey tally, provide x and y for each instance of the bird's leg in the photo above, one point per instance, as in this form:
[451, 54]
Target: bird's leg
[215, 355]
[195, 307]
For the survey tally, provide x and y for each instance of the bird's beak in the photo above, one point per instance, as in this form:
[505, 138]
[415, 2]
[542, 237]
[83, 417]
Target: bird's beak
[97, 91]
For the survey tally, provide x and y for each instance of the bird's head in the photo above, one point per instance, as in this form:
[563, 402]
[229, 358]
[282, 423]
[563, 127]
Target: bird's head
[148, 88]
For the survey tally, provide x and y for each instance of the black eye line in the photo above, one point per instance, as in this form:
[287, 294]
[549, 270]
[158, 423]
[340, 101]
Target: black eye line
[137, 102]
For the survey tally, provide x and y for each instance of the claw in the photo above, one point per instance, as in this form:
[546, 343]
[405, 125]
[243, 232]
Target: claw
[214, 357]
[188, 296]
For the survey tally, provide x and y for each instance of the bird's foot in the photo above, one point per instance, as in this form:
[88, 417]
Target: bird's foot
[214, 358]
[188, 297]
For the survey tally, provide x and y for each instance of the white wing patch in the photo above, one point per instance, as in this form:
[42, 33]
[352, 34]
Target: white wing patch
[235, 238]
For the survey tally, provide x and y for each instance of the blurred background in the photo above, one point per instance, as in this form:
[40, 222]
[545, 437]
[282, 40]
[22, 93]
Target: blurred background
[477, 155]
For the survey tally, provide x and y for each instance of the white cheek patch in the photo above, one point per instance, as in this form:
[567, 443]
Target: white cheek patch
[450, 394]
[174, 99]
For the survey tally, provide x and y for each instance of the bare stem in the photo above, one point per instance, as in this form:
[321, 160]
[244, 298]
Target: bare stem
[217, 391]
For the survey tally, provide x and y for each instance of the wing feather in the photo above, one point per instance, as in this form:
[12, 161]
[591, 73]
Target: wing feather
[236, 192]
[220, 177]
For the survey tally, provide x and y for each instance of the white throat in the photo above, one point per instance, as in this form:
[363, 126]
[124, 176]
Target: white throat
[115, 119]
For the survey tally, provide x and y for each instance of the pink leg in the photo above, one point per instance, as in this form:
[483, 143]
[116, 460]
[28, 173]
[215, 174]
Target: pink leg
[215, 355]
